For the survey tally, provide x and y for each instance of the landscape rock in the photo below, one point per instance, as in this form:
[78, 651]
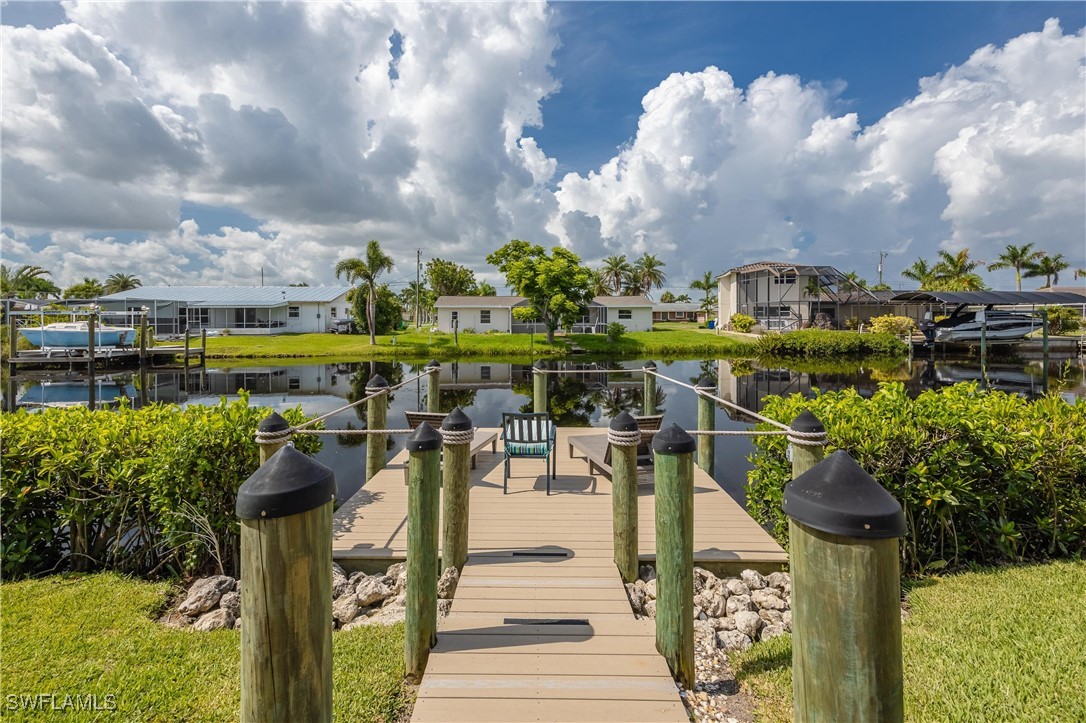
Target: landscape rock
[779, 580]
[650, 589]
[444, 607]
[736, 586]
[174, 619]
[340, 581]
[708, 579]
[704, 633]
[396, 601]
[753, 579]
[772, 631]
[636, 594]
[738, 603]
[385, 616]
[650, 609]
[724, 623]
[771, 617]
[748, 623]
[237, 624]
[345, 609]
[786, 620]
[732, 640]
[231, 601]
[446, 584]
[398, 574]
[646, 573]
[205, 594]
[714, 604]
[371, 590]
[220, 619]
[768, 599]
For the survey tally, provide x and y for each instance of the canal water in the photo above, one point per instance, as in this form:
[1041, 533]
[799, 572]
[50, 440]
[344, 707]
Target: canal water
[585, 397]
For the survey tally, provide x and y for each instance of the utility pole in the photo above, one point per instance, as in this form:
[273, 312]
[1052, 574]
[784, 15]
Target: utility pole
[418, 280]
[882, 255]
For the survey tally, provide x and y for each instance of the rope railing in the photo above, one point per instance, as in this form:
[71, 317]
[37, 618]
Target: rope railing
[374, 393]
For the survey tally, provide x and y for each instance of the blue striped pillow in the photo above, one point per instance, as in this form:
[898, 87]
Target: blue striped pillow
[520, 448]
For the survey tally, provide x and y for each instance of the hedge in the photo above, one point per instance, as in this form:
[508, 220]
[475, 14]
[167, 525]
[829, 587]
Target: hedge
[819, 343]
[983, 477]
[143, 491]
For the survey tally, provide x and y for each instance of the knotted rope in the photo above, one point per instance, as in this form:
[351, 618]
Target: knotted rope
[621, 438]
[457, 436]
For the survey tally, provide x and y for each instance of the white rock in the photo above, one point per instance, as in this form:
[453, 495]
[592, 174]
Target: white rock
[340, 581]
[443, 608]
[737, 603]
[716, 605]
[345, 609]
[786, 620]
[768, 599]
[205, 594]
[778, 580]
[446, 584]
[354, 579]
[385, 616]
[771, 617]
[703, 633]
[650, 608]
[707, 578]
[723, 623]
[220, 619]
[748, 623]
[753, 579]
[636, 594]
[396, 601]
[231, 601]
[772, 631]
[371, 590]
[650, 589]
[732, 640]
[736, 587]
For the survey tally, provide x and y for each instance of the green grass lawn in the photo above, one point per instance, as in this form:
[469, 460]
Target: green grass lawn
[1000, 645]
[423, 345]
[95, 635]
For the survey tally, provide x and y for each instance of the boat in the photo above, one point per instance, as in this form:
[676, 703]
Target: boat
[966, 326]
[75, 335]
[47, 394]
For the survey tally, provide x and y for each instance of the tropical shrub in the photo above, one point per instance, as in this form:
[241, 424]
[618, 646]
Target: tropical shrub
[615, 331]
[983, 477]
[890, 324]
[1063, 319]
[816, 343]
[131, 490]
[742, 323]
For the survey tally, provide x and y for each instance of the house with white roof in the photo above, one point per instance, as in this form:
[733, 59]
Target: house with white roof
[254, 310]
[495, 313]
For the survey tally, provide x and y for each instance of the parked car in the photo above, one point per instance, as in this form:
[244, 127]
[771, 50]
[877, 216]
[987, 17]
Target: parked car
[344, 326]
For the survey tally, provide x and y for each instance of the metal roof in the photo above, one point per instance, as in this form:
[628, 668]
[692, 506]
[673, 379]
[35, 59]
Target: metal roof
[983, 298]
[475, 302]
[780, 267]
[231, 295]
[623, 301]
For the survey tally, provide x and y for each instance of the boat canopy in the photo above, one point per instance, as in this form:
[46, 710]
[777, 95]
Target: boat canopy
[984, 298]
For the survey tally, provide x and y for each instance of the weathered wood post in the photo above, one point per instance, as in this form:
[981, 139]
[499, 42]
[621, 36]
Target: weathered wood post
[983, 334]
[674, 453]
[846, 594]
[376, 418]
[706, 423]
[807, 448]
[203, 347]
[624, 436]
[92, 345]
[424, 472]
[433, 386]
[457, 433]
[539, 386]
[1044, 350]
[143, 336]
[13, 337]
[272, 434]
[286, 590]
[648, 402]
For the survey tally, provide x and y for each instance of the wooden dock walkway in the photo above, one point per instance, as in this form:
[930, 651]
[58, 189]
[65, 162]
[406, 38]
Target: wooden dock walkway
[540, 627]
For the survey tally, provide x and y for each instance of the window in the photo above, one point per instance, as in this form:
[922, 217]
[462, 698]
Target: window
[484, 373]
[294, 312]
[785, 279]
[294, 383]
[484, 316]
[625, 314]
[244, 318]
[199, 317]
[332, 311]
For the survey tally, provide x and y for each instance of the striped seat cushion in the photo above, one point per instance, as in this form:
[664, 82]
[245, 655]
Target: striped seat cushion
[515, 448]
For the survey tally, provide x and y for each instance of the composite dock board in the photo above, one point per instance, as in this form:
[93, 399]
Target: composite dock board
[540, 627]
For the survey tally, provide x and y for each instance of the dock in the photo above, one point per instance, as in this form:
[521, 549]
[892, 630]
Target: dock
[540, 627]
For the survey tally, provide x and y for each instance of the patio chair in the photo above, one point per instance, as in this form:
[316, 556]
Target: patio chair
[649, 426]
[529, 436]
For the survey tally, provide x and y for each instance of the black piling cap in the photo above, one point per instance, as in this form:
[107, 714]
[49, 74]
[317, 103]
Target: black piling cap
[274, 422]
[289, 483]
[376, 382]
[649, 365]
[807, 422]
[624, 422]
[837, 496]
[424, 439]
[673, 440]
[433, 364]
[456, 421]
[706, 382]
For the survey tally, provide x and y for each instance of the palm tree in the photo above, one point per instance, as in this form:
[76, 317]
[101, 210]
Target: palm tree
[957, 272]
[366, 271]
[852, 282]
[921, 273]
[1050, 268]
[707, 284]
[615, 271]
[88, 288]
[1080, 272]
[121, 282]
[1017, 258]
[600, 286]
[813, 290]
[26, 282]
[485, 288]
[649, 272]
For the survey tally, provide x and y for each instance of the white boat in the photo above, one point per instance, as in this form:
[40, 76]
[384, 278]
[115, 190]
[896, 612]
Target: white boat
[965, 326]
[76, 335]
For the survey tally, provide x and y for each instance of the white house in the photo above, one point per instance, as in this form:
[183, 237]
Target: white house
[237, 309]
[495, 313]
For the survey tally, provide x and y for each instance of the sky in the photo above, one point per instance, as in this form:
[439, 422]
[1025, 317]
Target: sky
[208, 143]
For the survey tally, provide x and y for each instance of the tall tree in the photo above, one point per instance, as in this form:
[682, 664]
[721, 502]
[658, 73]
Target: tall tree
[649, 271]
[446, 278]
[121, 282]
[921, 273]
[957, 272]
[366, 271]
[556, 285]
[485, 288]
[615, 271]
[414, 291]
[706, 284]
[852, 282]
[26, 282]
[1050, 268]
[1017, 258]
[599, 284]
[88, 288]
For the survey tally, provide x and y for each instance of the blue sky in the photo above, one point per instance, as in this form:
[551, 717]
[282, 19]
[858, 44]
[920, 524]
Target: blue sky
[201, 142]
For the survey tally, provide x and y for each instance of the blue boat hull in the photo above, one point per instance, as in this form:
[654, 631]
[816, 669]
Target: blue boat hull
[78, 339]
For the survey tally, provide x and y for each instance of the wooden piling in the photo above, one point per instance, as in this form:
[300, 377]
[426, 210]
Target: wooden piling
[706, 423]
[143, 338]
[271, 426]
[624, 436]
[846, 596]
[456, 430]
[648, 402]
[983, 335]
[376, 418]
[433, 387]
[286, 594]
[539, 387]
[674, 463]
[805, 454]
[92, 390]
[13, 337]
[424, 470]
[203, 347]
